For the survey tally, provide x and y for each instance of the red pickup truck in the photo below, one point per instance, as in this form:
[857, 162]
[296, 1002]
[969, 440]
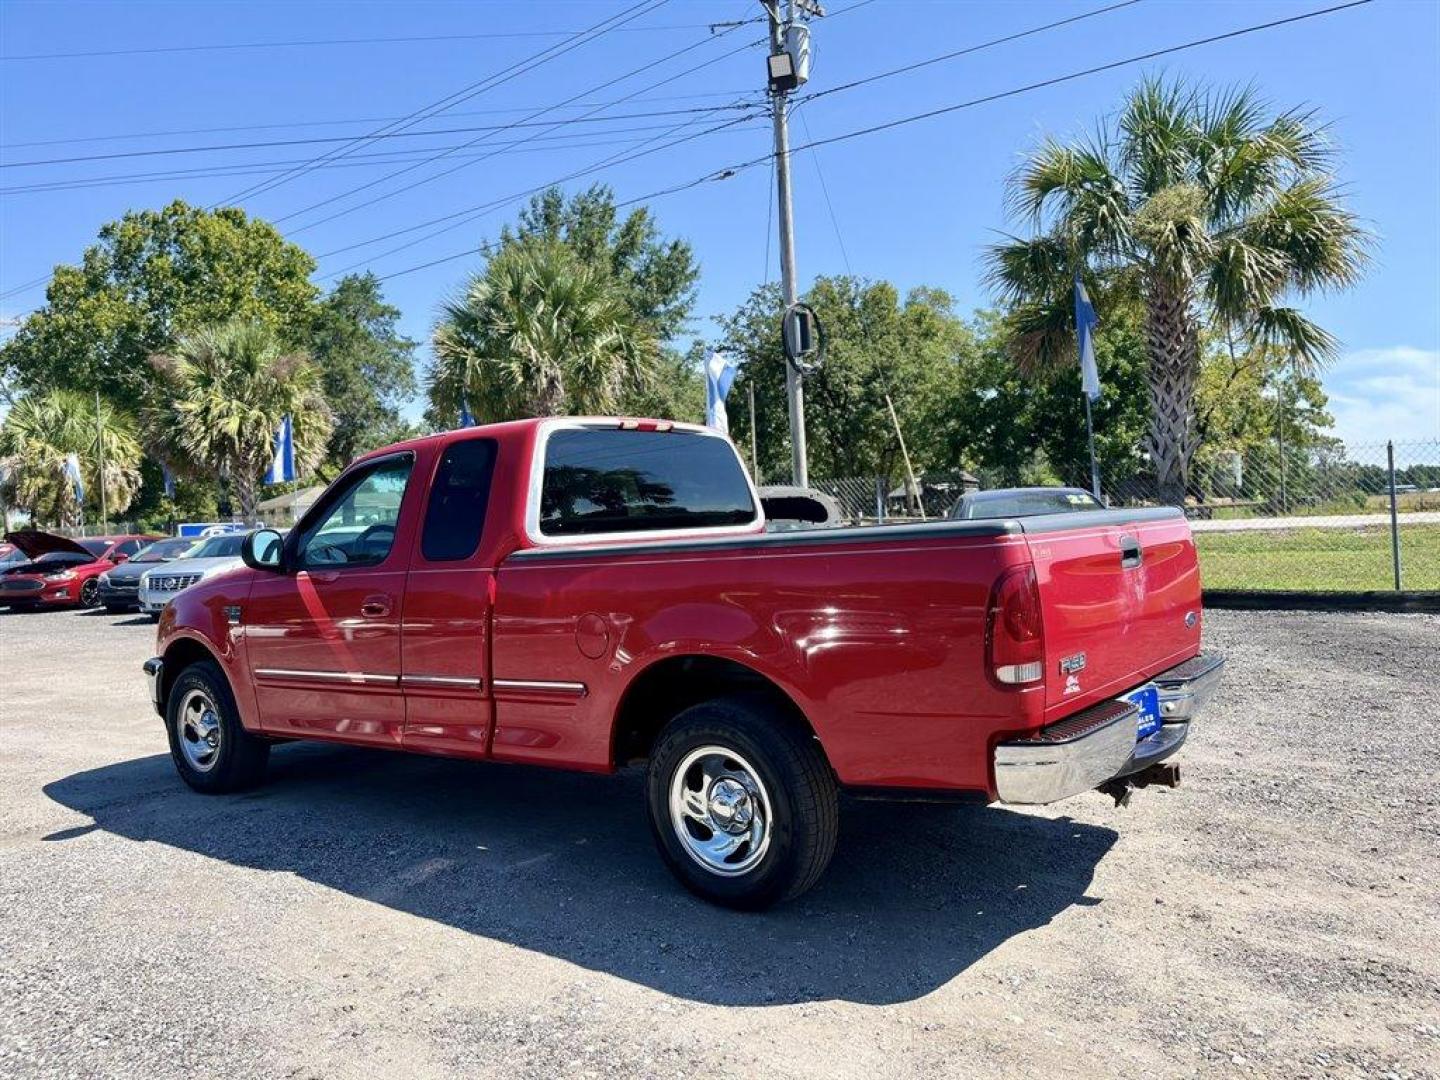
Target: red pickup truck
[589, 593]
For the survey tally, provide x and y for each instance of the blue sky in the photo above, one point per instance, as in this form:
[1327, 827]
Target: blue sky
[915, 205]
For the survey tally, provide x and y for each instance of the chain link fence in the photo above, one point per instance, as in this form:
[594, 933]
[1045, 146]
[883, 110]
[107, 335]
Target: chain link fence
[1345, 517]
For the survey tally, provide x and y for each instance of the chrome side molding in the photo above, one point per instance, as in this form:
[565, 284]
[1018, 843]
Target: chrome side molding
[357, 678]
[456, 682]
[541, 686]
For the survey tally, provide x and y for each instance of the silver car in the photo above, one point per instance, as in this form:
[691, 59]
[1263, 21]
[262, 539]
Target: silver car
[210, 557]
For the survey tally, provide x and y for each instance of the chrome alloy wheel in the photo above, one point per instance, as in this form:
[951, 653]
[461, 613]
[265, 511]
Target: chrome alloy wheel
[720, 811]
[197, 728]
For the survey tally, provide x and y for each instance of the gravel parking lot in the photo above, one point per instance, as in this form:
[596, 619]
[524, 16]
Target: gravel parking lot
[380, 915]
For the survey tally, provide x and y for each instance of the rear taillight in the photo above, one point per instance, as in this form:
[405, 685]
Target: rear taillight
[1014, 635]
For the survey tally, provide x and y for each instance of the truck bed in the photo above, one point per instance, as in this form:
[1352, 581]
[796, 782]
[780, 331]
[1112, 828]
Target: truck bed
[877, 633]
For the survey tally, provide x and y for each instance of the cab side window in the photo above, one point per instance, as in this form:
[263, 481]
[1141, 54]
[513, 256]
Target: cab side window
[455, 516]
[356, 524]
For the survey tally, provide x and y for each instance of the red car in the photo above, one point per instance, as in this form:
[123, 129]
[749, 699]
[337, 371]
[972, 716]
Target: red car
[588, 593]
[60, 572]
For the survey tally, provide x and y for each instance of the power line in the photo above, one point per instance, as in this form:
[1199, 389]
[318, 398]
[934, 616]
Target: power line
[465, 93]
[643, 68]
[731, 170]
[380, 158]
[495, 35]
[825, 190]
[728, 94]
[1099, 68]
[474, 213]
[604, 163]
[315, 140]
[992, 43]
[852, 7]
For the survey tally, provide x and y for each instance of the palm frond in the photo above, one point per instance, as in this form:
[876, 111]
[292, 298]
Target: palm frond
[1287, 330]
[1157, 135]
[1320, 240]
[1020, 270]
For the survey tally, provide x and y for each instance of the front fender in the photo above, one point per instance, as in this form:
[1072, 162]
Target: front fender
[206, 619]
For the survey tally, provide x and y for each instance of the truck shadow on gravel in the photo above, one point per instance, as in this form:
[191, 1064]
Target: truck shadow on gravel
[563, 864]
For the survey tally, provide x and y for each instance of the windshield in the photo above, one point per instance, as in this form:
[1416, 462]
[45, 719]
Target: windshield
[72, 558]
[1018, 504]
[219, 547]
[164, 549]
[95, 547]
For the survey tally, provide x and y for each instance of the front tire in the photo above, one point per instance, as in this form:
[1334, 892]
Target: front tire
[90, 593]
[743, 805]
[212, 751]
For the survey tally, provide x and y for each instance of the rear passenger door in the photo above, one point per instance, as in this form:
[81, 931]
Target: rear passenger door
[445, 646]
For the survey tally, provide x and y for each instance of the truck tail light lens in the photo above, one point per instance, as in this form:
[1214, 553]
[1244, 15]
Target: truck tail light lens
[1014, 634]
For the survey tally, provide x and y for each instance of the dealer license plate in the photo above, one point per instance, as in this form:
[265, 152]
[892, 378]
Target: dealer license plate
[1148, 698]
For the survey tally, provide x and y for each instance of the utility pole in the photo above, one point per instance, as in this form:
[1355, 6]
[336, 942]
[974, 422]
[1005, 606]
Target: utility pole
[754, 439]
[786, 75]
[100, 453]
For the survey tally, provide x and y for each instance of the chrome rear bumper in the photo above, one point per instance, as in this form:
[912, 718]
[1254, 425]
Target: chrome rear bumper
[1083, 751]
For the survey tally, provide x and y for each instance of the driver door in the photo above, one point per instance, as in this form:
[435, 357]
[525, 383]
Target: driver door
[322, 640]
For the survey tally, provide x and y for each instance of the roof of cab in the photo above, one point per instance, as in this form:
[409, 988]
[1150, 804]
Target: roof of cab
[509, 428]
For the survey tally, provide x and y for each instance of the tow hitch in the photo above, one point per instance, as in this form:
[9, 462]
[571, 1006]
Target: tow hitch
[1162, 774]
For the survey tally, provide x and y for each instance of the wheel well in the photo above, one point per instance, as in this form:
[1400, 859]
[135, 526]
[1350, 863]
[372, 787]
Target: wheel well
[181, 654]
[672, 685]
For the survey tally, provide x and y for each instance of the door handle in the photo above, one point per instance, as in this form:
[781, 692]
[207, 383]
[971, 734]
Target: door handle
[1130, 553]
[375, 607]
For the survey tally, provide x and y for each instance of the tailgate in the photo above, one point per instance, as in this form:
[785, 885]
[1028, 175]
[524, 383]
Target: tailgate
[1119, 599]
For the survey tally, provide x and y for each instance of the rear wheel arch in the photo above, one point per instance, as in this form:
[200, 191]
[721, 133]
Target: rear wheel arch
[671, 685]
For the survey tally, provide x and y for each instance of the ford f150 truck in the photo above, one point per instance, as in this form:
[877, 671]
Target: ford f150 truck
[590, 593]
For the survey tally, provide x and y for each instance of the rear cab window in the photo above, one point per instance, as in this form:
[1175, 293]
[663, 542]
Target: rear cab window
[455, 514]
[599, 481]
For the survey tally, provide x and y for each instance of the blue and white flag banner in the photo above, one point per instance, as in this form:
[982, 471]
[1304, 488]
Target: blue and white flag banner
[466, 420]
[1085, 323]
[720, 371]
[72, 473]
[282, 465]
[169, 478]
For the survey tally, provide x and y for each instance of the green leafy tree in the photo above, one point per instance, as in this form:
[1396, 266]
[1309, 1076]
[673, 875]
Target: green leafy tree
[538, 333]
[655, 276]
[1248, 396]
[227, 390]
[151, 277]
[1015, 427]
[1201, 207]
[366, 367]
[41, 430]
[876, 346]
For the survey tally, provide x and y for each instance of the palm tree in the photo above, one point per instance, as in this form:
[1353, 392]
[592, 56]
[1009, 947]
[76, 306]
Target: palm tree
[1200, 208]
[42, 430]
[538, 333]
[227, 390]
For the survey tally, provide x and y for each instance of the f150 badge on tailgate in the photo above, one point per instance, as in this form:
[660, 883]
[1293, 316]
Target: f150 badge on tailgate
[1070, 667]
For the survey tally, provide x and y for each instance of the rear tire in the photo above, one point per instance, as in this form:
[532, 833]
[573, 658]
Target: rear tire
[743, 805]
[212, 751]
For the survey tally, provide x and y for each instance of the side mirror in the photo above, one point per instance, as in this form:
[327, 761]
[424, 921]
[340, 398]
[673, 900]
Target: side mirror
[263, 550]
[119, 557]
